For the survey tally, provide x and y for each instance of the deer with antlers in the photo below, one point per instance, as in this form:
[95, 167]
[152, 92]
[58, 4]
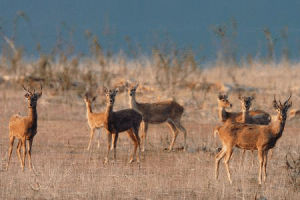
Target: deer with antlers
[252, 137]
[157, 113]
[118, 121]
[95, 120]
[24, 128]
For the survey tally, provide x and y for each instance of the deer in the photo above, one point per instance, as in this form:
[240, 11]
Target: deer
[115, 122]
[252, 137]
[261, 117]
[24, 128]
[95, 120]
[157, 113]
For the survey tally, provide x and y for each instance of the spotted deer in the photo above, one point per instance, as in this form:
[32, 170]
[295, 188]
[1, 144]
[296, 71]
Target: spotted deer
[157, 113]
[252, 137]
[118, 121]
[95, 120]
[24, 128]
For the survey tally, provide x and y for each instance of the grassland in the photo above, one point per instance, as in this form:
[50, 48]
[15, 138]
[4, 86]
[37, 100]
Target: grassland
[66, 170]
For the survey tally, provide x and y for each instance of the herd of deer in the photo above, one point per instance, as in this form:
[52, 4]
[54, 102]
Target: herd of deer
[248, 130]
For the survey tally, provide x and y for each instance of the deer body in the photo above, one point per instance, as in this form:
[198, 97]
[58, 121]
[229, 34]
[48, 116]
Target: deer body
[157, 113]
[118, 121]
[24, 128]
[95, 120]
[252, 137]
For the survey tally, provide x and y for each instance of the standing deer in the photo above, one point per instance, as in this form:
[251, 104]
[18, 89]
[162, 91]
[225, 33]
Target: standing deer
[118, 121]
[261, 118]
[24, 128]
[95, 120]
[157, 113]
[252, 137]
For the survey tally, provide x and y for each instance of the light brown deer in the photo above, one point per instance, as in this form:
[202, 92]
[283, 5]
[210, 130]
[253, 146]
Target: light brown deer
[95, 120]
[261, 118]
[118, 121]
[24, 128]
[157, 113]
[252, 137]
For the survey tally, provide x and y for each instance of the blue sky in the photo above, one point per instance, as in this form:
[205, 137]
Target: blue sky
[148, 23]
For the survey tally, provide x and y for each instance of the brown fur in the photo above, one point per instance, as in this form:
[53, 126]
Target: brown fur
[252, 137]
[157, 113]
[24, 128]
[95, 120]
[123, 120]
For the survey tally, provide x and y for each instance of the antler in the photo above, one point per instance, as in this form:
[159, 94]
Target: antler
[288, 99]
[26, 90]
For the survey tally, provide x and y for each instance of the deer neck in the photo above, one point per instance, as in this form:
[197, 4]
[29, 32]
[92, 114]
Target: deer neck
[132, 103]
[109, 110]
[223, 114]
[245, 116]
[32, 115]
[278, 127]
[88, 109]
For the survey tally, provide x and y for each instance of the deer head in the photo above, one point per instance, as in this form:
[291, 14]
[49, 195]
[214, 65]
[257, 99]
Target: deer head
[246, 102]
[132, 90]
[32, 96]
[110, 95]
[223, 101]
[282, 108]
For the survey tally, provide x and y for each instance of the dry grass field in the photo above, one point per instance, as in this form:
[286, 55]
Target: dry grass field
[66, 170]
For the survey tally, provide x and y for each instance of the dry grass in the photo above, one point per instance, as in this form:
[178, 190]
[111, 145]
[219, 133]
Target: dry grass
[67, 171]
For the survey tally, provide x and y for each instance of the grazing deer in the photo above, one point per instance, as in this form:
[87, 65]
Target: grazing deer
[157, 113]
[24, 128]
[118, 121]
[252, 137]
[95, 120]
[261, 118]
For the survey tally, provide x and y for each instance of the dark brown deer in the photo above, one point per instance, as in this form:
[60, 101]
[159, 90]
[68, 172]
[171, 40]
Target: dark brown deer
[118, 121]
[24, 128]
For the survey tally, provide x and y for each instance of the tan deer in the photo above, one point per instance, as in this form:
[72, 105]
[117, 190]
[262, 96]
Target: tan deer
[261, 117]
[95, 120]
[24, 128]
[157, 113]
[118, 121]
[252, 137]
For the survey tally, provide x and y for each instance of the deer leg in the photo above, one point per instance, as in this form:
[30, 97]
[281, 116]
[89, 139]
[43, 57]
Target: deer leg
[135, 143]
[261, 161]
[174, 132]
[114, 144]
[11, 144]
[265, 165]
[92, 132]
[137, 137]
[109, 135]
[252, 163]
[19, 151]
[144, 136]
[183, 130]
[29, 152]
[243, 157]
[219, 156]
[99, 136]
[24, 153]
[226, 162]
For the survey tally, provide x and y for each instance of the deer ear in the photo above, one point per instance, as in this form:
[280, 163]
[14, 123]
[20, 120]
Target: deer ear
[105, 89]
[220, 96]
[26, 95]
[240, 97]
[116, 90]
[136, 86]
